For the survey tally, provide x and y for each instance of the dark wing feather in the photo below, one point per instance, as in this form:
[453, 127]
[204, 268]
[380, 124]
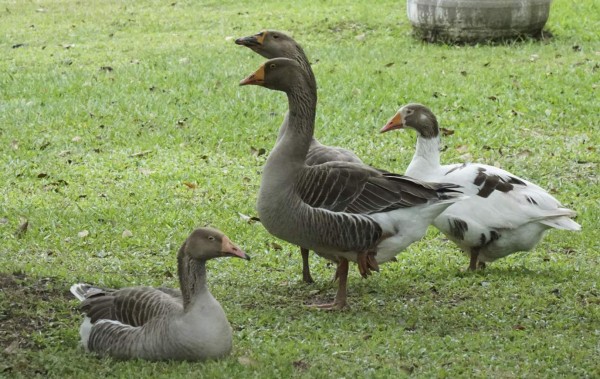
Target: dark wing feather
[132, 306]
[357, 188]
[322, 154]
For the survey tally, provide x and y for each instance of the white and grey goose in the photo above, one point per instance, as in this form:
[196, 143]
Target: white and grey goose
[162, 324]
[505, 213]
[343, 211]
[276, 44]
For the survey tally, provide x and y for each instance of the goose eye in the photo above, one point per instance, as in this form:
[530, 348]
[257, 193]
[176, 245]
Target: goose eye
[275, 35]
[211, 238]
[409, 112]
[272, 66]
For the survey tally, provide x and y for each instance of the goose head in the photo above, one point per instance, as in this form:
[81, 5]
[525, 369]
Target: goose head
[209, 243]
[270, 44]
[414, 116]
[281, 74]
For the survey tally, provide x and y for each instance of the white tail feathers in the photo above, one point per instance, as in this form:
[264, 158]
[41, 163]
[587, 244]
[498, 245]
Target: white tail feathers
[563, 223]
[79, 290]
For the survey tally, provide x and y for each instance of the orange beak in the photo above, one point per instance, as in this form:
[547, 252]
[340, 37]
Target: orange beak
[257, 78]
[228, 248]
[395, 122]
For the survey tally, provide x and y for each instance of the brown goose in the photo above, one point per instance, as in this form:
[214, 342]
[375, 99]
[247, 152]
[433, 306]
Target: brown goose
[343, 211]
[275, 44]
[505, 213]
[161, 324]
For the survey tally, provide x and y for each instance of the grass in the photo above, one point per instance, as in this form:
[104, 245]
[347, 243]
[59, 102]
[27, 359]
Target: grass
[120, 117]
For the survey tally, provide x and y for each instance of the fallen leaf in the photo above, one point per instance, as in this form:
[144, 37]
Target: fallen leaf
[126, 233]
[516, 113]
[462, 148]
[518, 327]
[247, 361]
[106, 68]
[67, 45]
[17, 45]
[83, 234]
[300, 365]
[42, 175]
[524, 154]
[447, 132]
[248, 219]
[389, 64]
[140, 154]
[276, 246]
[14, 144]
[22, 229]
[12, 347]
[146, 171]
[190, 185]
[257, 152]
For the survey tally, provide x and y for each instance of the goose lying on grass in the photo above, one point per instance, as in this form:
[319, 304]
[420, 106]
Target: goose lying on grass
[275, 44]
[161, 324]
[343, 211]
[506, 213]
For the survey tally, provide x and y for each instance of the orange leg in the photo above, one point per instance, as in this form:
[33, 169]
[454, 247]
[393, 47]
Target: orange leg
[367, 263]
[340, 298]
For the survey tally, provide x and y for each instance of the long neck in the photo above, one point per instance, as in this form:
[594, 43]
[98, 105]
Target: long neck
[299, 128]
[299, 56]
[426, 157]
[192, 278]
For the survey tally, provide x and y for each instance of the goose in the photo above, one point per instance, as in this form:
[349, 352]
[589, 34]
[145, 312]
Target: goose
[275, 44]
[161, 323]
[504, 215]
[341, 210]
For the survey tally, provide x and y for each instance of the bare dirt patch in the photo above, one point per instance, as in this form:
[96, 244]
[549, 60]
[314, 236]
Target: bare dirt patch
[28, 307]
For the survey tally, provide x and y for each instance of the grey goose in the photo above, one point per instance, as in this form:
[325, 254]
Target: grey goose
[276, 44]
[341, 210]
[160, 323]
[505, 213]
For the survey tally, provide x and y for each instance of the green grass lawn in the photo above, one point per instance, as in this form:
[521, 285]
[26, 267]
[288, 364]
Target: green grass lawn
[122, 127]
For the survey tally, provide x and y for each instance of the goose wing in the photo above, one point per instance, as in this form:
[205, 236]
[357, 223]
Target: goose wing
[508, 201]
[133, 306]
[357, 188]
[320, 154]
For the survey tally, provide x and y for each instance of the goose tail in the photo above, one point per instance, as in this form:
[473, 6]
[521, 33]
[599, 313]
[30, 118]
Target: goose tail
[450, 193]
[563, 223]
[79, 290]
